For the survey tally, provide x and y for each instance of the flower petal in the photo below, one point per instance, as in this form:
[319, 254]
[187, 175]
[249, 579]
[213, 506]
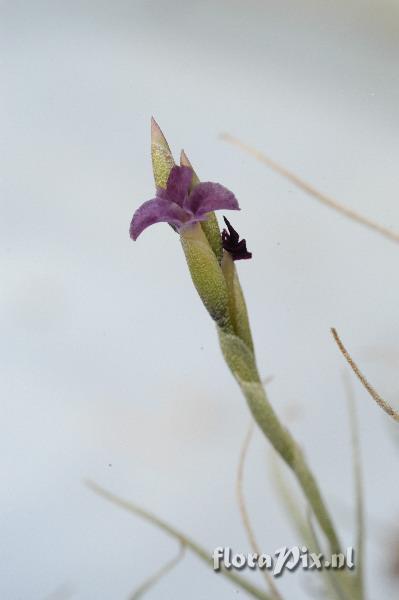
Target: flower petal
[156, 211]
[207, 197]
[178, 185]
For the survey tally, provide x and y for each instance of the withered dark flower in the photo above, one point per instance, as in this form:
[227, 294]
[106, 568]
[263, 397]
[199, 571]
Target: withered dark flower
[232, 243]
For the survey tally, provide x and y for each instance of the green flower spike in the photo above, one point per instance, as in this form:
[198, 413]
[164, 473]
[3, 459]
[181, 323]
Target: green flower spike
[215, 277]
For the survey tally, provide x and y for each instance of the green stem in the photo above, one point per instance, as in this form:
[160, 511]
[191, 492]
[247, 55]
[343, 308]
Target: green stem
[181, 537]
[219, 289]
[358, 478]
[331, 578]
[237, 306]
[158, 575]
[291, 453]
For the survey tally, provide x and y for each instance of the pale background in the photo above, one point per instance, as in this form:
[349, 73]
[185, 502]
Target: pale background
[110, 367]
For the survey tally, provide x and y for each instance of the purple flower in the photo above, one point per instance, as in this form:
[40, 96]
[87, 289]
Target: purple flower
[180, 204]
[231, 243]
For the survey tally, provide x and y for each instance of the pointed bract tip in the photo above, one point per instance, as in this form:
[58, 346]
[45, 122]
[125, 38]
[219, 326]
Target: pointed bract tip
[156, 132]
[162, 159]
[184, 161]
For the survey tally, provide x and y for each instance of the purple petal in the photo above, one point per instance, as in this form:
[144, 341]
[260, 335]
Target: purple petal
[178, 185]
[207, 197]
[156, 211]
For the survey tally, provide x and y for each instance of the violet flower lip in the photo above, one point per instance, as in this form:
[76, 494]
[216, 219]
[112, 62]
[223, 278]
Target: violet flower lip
[180, 204]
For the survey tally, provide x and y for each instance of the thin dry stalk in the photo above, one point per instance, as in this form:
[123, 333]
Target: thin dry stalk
[153, 580]
[203, 554]
[312, 191]
[373, 393]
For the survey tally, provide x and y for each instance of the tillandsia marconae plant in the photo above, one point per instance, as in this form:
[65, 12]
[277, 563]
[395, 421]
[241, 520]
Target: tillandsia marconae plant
[188, 206]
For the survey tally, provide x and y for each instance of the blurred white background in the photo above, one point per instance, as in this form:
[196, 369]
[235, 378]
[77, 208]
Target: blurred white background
[110, 367]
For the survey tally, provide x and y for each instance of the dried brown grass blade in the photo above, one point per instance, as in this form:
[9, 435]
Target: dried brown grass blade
[311, 190]
[373, 393]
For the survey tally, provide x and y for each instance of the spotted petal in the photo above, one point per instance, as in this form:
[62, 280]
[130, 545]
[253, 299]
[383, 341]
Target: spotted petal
[156, 211]
[207, 197]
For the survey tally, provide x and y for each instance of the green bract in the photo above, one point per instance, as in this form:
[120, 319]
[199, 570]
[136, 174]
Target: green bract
[162, 159]
[207, 275]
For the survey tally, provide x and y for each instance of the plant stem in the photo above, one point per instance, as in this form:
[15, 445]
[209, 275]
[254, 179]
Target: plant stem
[291, 453]
[252, 590]
[245, 515]
[358, 477]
